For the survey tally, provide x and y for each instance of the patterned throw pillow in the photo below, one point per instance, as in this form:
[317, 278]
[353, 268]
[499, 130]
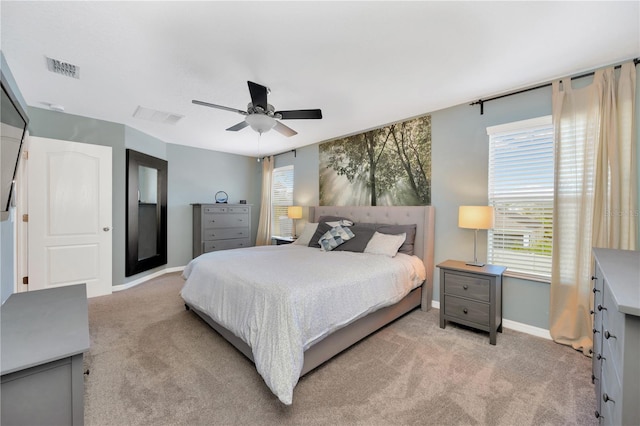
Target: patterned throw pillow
[334, 237]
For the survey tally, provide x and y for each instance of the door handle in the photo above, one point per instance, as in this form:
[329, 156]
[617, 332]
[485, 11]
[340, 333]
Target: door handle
[106, 229]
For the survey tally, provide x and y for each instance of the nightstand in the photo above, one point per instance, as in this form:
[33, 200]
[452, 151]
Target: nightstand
[283, 240]
[472, 296]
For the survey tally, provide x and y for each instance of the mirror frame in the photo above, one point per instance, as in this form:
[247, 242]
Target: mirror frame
[133, 264]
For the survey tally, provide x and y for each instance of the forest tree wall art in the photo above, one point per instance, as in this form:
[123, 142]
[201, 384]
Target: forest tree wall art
[389, 166]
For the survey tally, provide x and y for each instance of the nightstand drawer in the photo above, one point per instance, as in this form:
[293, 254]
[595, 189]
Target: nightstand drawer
[477, 288]
[466, 309]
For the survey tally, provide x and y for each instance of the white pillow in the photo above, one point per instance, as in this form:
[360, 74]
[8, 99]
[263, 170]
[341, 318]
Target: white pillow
[307, 233]
[385, 244]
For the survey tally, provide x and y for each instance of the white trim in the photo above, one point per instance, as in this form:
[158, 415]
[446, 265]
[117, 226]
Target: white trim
[514, 325]
[519, 125]
[526, 328]
[146, 278]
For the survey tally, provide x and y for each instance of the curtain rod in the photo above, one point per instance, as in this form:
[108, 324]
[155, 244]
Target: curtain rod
[282, 153]
[481, 102]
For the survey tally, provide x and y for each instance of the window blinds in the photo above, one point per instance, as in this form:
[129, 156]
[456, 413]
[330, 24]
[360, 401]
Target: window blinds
[281, 198]
[521, 191]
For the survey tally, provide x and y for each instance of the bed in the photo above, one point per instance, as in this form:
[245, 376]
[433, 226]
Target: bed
[215, 289]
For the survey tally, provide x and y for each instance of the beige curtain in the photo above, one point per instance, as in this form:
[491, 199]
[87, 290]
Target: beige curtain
[595, 192]
[263, 236]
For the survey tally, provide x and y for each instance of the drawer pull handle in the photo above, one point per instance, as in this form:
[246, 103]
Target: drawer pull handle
[608, 335]
[591, 312]
[599, 357]
[465, 310]
[465, 287]
[595, 331]
[600, 307]
[593, 277]
[598, 416]
[593, 378]
[606, 398]
[595, 290]
[590, 351]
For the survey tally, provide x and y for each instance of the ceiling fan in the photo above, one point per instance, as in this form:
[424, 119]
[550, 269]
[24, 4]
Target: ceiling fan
[261, 116]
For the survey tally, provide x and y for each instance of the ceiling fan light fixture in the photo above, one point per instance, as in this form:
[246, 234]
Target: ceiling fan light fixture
[261, 123]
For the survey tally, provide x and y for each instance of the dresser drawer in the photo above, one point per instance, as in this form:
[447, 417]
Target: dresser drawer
[611, 396]
[238, 210]
[225, 244]
[477, 288]
[465, 309]
[225, 233]
[214, 209]
[612, 326]
[213, 220]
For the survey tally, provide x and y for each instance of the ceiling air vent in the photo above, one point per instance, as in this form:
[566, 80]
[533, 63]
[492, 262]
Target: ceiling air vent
[63, 68]
[157, 116]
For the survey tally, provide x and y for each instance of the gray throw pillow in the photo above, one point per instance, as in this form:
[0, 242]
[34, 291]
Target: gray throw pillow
[358, 243]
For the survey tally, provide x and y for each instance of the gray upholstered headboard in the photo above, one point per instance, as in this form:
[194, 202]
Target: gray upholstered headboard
[422, 216]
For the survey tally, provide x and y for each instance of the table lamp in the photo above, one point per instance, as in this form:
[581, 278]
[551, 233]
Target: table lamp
[294, 212]
[475, 217]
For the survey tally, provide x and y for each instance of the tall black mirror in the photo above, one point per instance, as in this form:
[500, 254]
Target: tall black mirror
[146, 212]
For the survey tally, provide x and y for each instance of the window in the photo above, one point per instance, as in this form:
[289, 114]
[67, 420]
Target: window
[281, 198]
[521, 192]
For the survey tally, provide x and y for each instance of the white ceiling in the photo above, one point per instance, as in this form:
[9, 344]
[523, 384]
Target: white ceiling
[365, 64]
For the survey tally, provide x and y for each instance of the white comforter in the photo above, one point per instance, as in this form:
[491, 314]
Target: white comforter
[282, 299]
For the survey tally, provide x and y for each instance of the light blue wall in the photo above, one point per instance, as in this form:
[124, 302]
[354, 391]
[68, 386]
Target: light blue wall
[194, 177]
[460, 149]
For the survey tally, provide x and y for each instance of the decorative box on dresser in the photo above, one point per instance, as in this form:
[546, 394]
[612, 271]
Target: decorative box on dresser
[616, 336]
[472, 296]
[220, 227]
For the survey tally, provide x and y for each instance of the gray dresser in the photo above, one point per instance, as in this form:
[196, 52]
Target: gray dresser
[220, 227]
[616, 336]
[44, 334]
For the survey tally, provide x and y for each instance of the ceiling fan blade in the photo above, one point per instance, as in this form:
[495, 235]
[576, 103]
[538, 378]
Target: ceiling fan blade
[241, 125]
[287, 131]
[207, 104]
[258, 95]
[299, 114]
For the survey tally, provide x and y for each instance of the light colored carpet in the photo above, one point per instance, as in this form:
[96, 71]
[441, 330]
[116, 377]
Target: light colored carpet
[152, 362]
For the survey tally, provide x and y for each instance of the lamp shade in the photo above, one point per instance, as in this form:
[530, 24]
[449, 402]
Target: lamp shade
[294, 212]
[261, 123]
[475, 217]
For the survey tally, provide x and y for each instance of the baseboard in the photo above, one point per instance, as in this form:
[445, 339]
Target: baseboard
[146, 278]
[514, 325]
[526, 328]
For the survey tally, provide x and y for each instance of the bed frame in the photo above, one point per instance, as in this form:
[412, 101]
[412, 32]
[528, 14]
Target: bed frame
[333, 344]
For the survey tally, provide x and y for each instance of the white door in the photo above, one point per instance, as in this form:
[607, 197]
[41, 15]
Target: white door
[69, 204]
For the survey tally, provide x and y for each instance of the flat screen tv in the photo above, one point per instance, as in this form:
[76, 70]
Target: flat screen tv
[13, 125]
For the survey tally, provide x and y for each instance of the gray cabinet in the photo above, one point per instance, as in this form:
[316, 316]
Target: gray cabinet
[472, 296]
[44, 334]
[616, 336]
[220, 227]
